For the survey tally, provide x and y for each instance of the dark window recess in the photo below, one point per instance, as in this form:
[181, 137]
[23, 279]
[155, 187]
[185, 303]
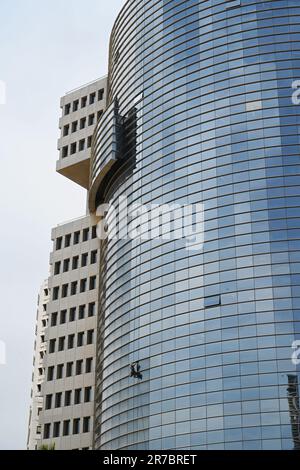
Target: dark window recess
[72, 316]
[73, 148]
[81, 145]
[76, 238]
[75, 262]
[68, 240]
[92, 98]
[66, 130]
[89, 142]
[57, 268]
[54, 319]
[59, 241]
[84, 102]
[63, 317]
[81, 314]
[85, 235]
[67, 109]
[100, 94]
[75, 106]
[74, 126]
[213, 301]
[94, 232]
[82, 123]
[66, 428]
[47, 429]
[68, 397]
[66, 265]
[65, 151]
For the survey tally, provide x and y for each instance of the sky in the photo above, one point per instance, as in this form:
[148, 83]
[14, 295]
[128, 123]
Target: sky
[47, 47]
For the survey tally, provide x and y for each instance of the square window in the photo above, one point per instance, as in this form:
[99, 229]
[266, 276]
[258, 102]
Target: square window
[89, 142]
[48, 402]
[66, 428]
[58, 398]
[57, 268]
[50, 375]
[69, 371]
[82, 123]
[76, 426]
[75, 106]
[60, 371]
[55, 293]
[47, 430]
[100, 94]
[91, 119]
[71, 339]
[68, 397]
[66, 130]
[86, 233]
[93, 282]
[92, 98]
[79, 365]
[74, 126]
[54, 319]
[94, 257]
[61, 343]
[75, 262]
[52, 345]
[90, 337]
[80, 339]
[83, 284]
[74, 288]
[84, 260]
[65, 151]
[72, 315]
[84, 102]
[63, 317]
[67, 109]
[81, 315]
[76, 238]
[92, 309]
[56, 429]
[94, 232]
[86, 424]
[66, 265]
[67, 241]
[88, 365]
[87, 394]
[59, 243]
[77, 399]
[81, 145]
[64, 291]
[73, 148]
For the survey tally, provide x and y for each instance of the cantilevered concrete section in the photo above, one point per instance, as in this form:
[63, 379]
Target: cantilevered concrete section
[81, 110]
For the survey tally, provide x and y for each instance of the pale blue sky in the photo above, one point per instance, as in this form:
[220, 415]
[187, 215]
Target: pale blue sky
[47, 47]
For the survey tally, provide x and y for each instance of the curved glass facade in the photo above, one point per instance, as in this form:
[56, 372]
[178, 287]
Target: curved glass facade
[210, 84]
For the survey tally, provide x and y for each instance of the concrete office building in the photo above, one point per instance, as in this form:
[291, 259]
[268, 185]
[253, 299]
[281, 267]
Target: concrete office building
[67, 392]
[38, 375]
[199, 110]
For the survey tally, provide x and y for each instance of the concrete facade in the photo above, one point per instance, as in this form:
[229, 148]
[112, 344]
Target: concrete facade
[38, 375]
[68, 391]
[65, 416]
[81, 110]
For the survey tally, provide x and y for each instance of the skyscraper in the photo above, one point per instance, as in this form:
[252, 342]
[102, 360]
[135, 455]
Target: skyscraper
[194, 343]
[200, 111]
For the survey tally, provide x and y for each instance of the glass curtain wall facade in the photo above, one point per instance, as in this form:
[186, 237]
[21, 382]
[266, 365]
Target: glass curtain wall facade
[209, 83]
